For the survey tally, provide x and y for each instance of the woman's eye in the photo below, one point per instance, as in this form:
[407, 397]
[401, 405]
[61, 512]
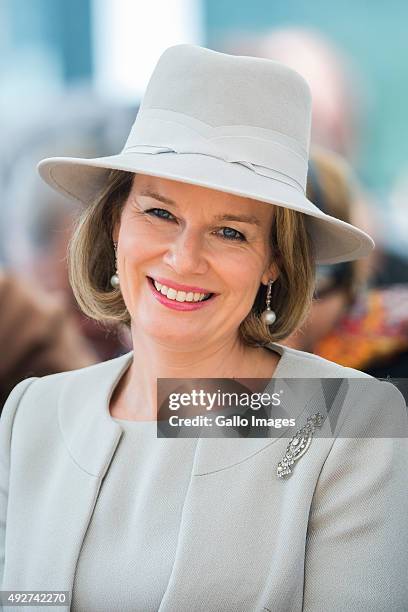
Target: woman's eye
[156, 212]
[232, 234]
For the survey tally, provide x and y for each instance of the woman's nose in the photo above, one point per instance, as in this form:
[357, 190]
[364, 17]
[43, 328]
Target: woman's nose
[186, 253]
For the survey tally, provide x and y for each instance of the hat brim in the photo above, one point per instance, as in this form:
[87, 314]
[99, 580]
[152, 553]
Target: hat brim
[334, 240]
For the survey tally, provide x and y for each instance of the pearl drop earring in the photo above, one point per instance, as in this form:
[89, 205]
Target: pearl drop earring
[269, 315]
[114, 281]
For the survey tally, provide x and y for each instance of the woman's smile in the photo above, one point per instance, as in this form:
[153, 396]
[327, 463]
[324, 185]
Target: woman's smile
[179, 300]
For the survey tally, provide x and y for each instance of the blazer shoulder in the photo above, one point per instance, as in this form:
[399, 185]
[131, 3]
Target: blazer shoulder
[47, 390]
[304, 365]
[68, 410]
[81, 375]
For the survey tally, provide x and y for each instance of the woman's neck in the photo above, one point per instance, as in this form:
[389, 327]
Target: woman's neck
[135, 396]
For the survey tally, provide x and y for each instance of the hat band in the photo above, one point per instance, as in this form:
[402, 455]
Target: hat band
[265, 152]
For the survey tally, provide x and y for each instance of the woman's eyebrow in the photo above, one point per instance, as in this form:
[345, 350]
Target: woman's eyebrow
[157, 196]
[225, 217]
[242, 218]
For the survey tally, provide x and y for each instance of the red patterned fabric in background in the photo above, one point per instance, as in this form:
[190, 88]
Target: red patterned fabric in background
[374, 330]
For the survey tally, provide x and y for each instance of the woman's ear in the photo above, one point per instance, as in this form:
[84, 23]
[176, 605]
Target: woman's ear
[272, 272]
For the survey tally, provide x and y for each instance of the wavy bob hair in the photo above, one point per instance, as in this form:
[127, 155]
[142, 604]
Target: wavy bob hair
[91, 263]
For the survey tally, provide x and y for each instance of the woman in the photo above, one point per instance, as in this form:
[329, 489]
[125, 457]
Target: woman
[200, 237]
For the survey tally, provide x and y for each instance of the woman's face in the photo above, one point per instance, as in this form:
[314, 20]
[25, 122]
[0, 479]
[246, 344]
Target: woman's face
[179, 234]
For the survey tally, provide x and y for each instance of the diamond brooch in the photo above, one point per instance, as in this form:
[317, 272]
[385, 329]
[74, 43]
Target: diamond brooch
[298, 445]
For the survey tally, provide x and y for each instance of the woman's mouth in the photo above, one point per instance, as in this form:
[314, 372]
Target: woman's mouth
[179, 300]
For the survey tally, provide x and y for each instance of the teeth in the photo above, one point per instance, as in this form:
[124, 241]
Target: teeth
[171, 293]
[179, 296]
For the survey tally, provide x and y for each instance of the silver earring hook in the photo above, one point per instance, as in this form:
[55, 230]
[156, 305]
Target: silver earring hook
[269, 293]
[268, 315]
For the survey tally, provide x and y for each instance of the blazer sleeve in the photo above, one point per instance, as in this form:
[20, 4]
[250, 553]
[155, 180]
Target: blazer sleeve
[6, 426]
[356, 556]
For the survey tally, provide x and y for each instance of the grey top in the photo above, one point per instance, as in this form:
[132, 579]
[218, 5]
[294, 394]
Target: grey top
[128, 551]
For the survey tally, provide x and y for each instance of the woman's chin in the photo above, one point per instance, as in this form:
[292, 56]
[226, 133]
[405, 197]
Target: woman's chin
[166, 332]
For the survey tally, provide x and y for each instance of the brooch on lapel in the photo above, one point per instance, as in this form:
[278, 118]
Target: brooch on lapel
[298, 445]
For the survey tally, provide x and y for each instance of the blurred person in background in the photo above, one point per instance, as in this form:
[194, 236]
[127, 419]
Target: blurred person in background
[38, 334]
[38, 309]
[339, 100]
[351, 322]
[337, 105]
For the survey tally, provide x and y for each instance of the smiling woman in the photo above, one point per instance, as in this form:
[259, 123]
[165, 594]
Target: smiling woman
[200, 238]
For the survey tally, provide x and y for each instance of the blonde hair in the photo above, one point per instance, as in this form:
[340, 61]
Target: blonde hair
[91, 263]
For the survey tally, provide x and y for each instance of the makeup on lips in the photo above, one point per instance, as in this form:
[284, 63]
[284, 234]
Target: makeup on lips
[179, 298]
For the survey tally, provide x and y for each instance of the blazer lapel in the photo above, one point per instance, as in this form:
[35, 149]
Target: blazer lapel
[56, 522]
[299, 399]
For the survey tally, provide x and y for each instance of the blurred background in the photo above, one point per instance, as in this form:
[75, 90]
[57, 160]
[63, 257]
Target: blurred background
[72, 74]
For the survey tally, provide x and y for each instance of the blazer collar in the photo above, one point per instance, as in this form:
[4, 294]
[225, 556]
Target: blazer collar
[88, 430]
[91, 435]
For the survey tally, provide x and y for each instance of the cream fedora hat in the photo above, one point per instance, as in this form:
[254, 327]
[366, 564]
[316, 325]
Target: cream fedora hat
[233, 123]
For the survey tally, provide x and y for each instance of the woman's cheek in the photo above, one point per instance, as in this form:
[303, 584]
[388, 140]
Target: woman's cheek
[138, 241]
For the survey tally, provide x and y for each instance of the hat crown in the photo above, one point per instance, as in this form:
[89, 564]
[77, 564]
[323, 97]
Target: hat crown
[230, 90]
[245, 110]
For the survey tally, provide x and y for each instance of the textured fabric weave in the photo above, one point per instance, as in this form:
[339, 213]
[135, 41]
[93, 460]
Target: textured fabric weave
[128, 551]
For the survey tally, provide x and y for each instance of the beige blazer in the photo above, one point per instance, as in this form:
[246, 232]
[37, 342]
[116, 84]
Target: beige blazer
[332, 537]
